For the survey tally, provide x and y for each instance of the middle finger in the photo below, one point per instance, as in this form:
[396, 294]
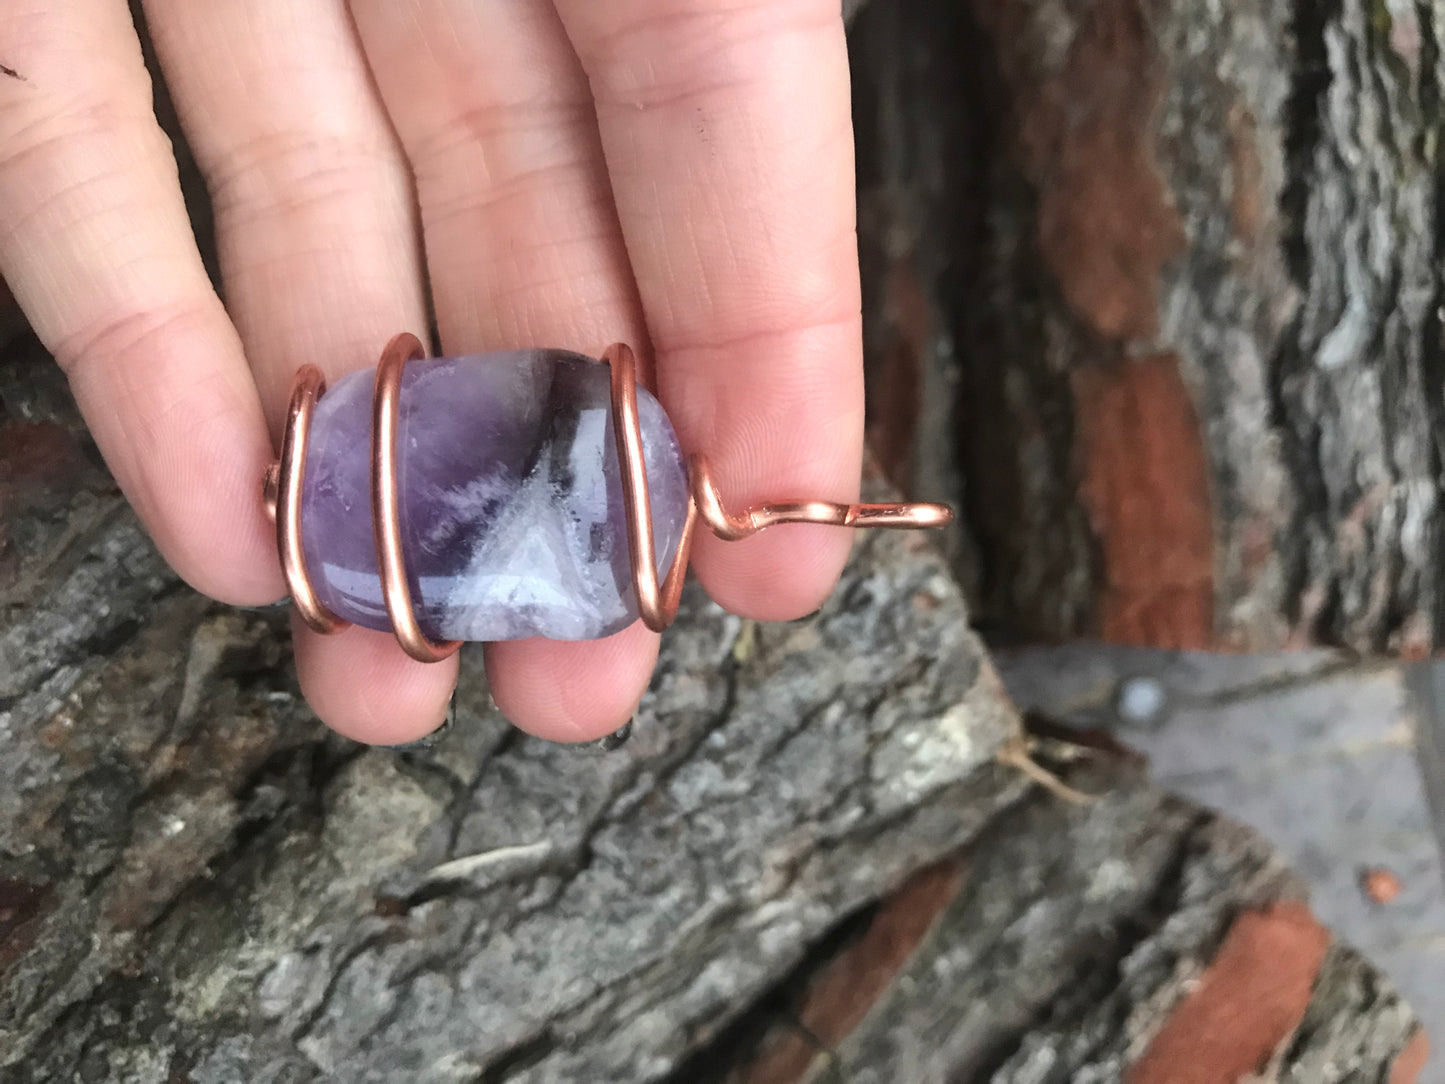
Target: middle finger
[523, 249]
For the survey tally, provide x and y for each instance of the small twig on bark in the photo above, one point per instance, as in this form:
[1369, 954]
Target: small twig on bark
[1018, 754]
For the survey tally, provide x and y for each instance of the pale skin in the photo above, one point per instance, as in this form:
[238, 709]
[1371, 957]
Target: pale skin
[676, 174]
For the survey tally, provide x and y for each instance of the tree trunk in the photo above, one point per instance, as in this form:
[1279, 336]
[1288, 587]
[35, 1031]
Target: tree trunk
[1170, 272]
[823, 853]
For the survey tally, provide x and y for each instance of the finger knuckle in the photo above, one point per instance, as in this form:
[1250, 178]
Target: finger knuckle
[668, 55]
[122, 331]
[288, 171]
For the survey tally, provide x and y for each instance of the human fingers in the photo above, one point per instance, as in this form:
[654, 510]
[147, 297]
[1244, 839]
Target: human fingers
[523, 249]
[320, 257]
[729, 142]
[96, 245]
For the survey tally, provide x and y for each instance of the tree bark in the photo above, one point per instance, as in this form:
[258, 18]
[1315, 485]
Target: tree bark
[1178, 263]
[198, 884]
[822, 852]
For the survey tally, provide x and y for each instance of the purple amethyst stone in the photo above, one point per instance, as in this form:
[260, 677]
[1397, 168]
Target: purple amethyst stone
[511, 498]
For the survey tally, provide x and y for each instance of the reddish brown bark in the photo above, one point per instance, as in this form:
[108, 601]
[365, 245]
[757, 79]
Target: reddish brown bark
[1106, 224]
[1246, 1005]
[1411, 1062]
[1146, 488]
[848, 985]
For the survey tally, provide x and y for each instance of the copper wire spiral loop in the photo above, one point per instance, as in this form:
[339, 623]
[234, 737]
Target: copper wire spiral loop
[657, 600]
[386, 502]
[285, 482]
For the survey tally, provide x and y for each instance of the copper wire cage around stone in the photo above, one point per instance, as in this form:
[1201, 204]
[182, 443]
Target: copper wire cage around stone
[657, 598]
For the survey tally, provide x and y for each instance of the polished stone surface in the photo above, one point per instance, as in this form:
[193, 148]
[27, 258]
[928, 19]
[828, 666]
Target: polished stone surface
[511, 498]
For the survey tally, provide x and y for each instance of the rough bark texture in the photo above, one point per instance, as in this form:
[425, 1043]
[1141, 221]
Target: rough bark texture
[197, 884]
[1180, 262]
[1068, 959]
[820, 831]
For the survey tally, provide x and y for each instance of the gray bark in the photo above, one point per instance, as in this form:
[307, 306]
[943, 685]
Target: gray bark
[199, 881]
[1180, 261]
[198, 884]
[1073, 934]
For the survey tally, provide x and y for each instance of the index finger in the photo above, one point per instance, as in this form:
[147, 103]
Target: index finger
[95, 243]
[728, 137]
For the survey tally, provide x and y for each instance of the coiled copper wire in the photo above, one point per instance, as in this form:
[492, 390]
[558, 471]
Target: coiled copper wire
[386, 502]
[289, 477]
[657, 600]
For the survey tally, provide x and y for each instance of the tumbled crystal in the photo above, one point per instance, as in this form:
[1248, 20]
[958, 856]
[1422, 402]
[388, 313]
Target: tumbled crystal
[512, 515]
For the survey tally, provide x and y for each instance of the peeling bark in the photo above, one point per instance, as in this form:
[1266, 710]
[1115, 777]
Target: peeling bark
[1079, 944]
[814, 831]
[198, 884]
[1243, 195]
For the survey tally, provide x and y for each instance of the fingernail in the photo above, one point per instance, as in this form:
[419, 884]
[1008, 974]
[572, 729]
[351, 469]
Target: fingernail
[435, 737]
[267, 607]
[616, 740]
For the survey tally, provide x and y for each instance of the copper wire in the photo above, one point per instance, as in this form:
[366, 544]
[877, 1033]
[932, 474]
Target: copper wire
[657, 599]
[658, 605]
[285, 483]
[386, 503]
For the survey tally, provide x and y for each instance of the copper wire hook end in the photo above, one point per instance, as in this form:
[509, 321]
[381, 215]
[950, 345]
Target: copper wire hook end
[284, 483]
[913, 516]
[386, 502]
[658, 604]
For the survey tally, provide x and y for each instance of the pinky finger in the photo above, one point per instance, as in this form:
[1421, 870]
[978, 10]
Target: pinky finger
[96, 245]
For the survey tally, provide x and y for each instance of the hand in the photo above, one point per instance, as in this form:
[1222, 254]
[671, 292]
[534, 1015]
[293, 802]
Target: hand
[568, 173]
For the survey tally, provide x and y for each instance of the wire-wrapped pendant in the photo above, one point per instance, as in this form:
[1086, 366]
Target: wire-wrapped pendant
[527, 493]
